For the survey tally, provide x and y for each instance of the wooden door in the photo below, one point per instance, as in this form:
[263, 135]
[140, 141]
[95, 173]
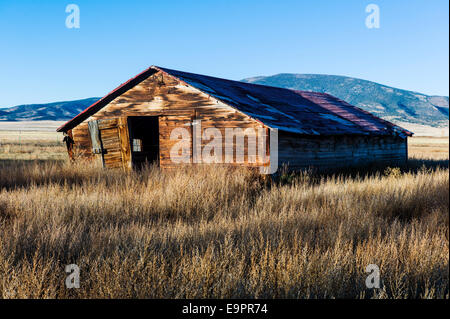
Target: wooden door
[110, 142]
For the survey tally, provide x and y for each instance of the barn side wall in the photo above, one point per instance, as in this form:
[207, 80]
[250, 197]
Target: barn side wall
[177, 104]
[340, 151]
[82, 142]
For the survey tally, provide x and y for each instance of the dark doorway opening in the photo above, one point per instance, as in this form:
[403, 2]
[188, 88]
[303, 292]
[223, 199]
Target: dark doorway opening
[144, 140]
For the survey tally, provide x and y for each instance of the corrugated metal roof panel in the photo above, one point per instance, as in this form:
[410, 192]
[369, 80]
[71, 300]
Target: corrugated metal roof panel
[294, 111]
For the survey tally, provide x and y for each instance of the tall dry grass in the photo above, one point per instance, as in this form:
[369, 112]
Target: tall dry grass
[222, 233]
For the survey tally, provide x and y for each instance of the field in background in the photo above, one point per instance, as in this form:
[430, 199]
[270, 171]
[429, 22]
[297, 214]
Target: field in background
[219, 233]
[426, 130]
[28, 140]
[429, 147]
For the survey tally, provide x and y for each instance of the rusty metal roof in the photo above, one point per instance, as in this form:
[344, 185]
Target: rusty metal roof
[300, 112]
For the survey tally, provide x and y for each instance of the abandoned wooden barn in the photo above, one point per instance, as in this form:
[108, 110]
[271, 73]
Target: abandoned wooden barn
[143, 119]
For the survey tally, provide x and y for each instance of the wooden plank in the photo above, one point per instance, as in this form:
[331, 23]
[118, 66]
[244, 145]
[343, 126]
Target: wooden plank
[166, 125]
[95, 137]
[82, 142]
[124, 142]
[107, 123]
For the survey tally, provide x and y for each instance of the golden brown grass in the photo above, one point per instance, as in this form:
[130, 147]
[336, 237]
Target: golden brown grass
[429, 147]
[205, 233]
[31, 140]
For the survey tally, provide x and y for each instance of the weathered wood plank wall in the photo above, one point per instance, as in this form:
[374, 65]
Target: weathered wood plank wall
[177, 104]
[82, 141]
[340, 151]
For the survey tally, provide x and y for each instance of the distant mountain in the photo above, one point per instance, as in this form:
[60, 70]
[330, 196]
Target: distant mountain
[392, 104]
[386, 102]
[58, 111]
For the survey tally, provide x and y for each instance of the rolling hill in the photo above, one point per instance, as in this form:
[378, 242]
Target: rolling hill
[58, 111]
[396, 105]
[386, 102]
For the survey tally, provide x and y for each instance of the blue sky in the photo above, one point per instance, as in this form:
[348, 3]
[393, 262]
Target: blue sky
[43, 61]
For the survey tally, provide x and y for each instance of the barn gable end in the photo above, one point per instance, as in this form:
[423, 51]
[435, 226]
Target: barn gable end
[176, 104]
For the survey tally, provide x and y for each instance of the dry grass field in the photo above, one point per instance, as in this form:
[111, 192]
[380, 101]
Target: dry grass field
[220, 233]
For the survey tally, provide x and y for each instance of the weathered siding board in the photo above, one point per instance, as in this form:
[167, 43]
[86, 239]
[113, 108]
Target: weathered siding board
[339, 151]
[95, 137]
[152, 97]
[166, 125]
[82, 141]
[111, 144]
[124, 137]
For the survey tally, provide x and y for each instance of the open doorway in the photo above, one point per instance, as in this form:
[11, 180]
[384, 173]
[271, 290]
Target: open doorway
[144, 140]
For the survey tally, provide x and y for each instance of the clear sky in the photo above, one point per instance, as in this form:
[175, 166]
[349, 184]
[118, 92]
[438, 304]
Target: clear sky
[41, 60]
